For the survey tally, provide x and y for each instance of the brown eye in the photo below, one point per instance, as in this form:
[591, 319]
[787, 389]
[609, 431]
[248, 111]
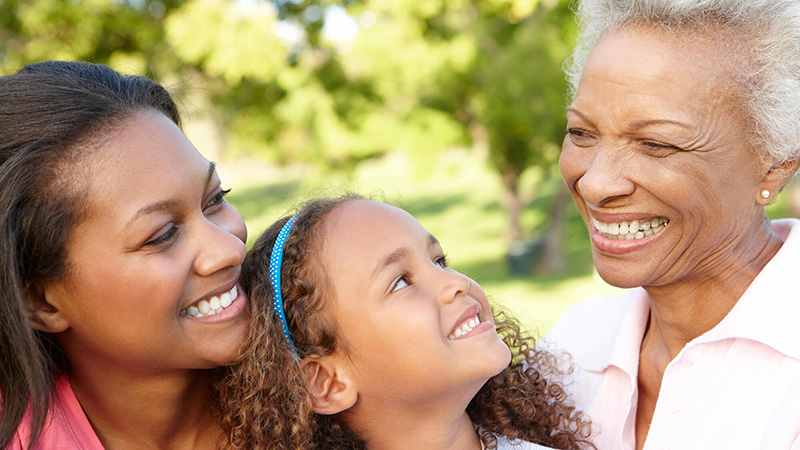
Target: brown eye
[581, 138]
[218, 197]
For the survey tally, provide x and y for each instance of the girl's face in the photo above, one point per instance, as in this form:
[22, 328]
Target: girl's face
[158, 238]
[414, 329]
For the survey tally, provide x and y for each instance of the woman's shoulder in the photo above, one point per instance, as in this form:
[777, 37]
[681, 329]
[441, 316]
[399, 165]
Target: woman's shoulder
[598, 315]
[67, 426]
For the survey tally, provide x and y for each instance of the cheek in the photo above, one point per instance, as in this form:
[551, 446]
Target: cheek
[569, 163]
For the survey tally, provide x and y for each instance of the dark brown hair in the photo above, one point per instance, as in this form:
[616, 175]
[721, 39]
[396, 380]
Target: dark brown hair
[265, 403]
[51, 114]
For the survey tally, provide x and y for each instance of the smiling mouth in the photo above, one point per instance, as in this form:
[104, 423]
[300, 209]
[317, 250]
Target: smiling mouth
[632, 230]
[212, 305]
[465, 327]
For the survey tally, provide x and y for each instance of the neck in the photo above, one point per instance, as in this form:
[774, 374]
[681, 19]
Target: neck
[172, 411]
[432, 425]
[683, 310]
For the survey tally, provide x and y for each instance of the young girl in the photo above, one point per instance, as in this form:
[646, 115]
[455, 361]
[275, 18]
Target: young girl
[372, 341]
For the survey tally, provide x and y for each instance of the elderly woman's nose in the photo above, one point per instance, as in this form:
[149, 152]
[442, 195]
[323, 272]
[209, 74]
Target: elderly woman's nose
[606, 177]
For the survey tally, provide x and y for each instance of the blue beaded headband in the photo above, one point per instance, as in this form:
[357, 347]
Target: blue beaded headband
[275, 263]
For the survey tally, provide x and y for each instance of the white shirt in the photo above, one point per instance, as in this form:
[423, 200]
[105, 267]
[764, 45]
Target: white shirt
[503, 443]
[735, 387]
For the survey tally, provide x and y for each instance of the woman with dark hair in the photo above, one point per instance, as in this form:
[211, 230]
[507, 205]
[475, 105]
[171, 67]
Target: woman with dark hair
[114, 230]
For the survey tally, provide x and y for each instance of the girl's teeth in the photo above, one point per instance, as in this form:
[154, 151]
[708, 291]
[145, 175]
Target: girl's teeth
[465, 328]
[192, 311]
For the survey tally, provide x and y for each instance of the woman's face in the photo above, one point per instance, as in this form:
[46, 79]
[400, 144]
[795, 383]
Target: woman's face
[414, 329]
[158, 239]
[657, 142]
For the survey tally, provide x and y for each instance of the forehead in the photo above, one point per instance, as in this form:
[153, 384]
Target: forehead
[659, 67]
[365, 230]
[146, 158]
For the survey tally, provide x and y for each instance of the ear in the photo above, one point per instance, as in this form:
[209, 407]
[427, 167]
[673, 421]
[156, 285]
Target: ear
[330, 383]
[43, 311]
[774, 179]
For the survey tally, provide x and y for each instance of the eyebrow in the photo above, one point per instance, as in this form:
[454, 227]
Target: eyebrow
[639, 124]
[646, 123]
[167, 204]
[396, 255]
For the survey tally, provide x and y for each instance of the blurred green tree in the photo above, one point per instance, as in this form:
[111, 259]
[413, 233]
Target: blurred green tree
[416, 77]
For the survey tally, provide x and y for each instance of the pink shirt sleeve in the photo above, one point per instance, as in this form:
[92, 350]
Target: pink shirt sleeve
[67, 428]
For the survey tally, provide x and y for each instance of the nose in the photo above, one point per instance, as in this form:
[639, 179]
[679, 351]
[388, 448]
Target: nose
[221, 246]
[453, 285]
[606, 176]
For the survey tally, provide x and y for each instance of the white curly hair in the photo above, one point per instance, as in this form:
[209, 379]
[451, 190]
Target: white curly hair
[767, 32]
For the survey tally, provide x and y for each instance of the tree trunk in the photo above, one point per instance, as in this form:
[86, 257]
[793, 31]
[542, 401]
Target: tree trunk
[512, 203]
[793, 194]
[553, 259]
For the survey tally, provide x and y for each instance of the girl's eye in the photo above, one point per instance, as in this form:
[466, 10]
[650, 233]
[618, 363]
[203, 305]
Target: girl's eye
[162, 239]
[401, 283]
[217, 199]
[441, 262]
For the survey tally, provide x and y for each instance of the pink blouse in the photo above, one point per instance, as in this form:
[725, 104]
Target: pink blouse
[735, 387]
[67, 428]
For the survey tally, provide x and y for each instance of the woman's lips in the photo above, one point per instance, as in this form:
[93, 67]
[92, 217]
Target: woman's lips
[618, 238]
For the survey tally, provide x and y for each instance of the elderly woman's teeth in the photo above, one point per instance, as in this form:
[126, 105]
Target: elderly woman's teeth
[634, 229]
[211, 306]
[465, 328]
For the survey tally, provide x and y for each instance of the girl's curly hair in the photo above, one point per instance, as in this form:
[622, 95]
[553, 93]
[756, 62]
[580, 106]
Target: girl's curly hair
[264, 399]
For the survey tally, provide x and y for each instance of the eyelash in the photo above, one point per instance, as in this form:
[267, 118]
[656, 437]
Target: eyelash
[217, 199]
[163, 239]
[166, 237]
[407, 278]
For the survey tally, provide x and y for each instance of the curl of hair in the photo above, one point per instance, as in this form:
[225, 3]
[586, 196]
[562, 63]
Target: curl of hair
[765, 32]
[526, 401]
[265, 403]
[51, 114]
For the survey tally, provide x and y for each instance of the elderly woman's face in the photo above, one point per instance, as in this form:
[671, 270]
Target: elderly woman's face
[658, 160]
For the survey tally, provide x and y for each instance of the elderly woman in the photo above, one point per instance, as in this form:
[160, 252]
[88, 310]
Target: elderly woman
[684, 124]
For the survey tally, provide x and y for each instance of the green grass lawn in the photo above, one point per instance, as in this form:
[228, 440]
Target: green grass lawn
[456, 198]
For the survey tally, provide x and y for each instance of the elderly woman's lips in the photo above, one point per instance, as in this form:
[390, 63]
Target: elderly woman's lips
[632, 230]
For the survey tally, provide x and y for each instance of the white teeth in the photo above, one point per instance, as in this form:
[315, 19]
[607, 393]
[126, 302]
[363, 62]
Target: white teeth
[630, 230]
[214, 302]
[465, 328]
[204, 307]
[211, 306]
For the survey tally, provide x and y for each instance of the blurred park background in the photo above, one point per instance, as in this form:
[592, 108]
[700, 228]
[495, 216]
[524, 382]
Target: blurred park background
[451, 109]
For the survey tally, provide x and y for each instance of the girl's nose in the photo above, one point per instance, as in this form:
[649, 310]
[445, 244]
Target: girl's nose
[454, 285]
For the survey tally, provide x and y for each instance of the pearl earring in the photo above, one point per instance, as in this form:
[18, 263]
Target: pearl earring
[765, 193]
